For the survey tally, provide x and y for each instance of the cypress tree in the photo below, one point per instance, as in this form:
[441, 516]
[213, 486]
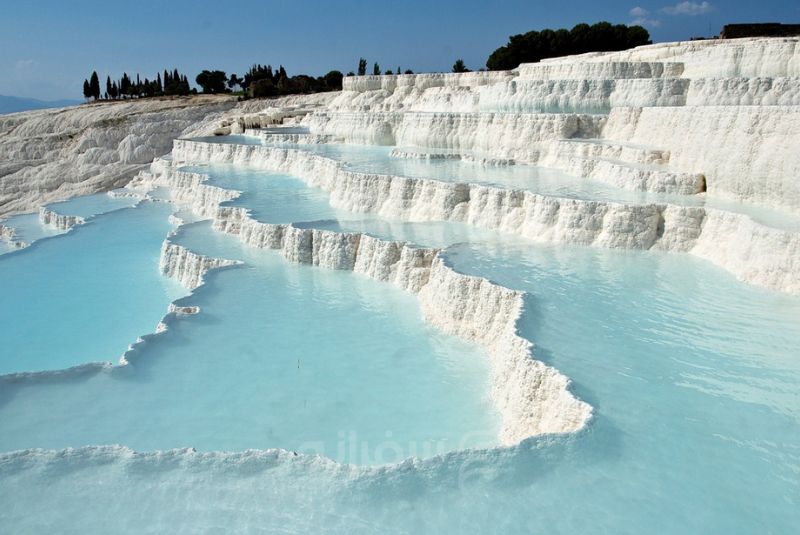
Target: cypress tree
[376, 69]
[125, 85]
[94, 85]
[87, 90]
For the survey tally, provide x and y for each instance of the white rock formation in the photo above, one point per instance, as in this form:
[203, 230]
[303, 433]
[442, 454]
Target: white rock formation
[52, 155]
[750, 153]
[58, 221]
[9, 235]
[258, 114]
[723, 114]
[187, 267]
[530, 215]
[531, 397]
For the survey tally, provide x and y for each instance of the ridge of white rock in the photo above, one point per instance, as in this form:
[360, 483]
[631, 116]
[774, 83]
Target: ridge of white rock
[518, 136]
[259, 113]
[463, 157]
[725, 58]
[739, 246]
[289, 138]
[58, 221]
[745, 152]
[52, 155]
[189, 189]
[187, 267]
[9, 235]
[531, 397]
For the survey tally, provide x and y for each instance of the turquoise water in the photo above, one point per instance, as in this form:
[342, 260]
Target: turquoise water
[276, 198]
[271, 198]
[297, 357]
[90, 205]
[28, 228]
[693, 377]
[61, 309]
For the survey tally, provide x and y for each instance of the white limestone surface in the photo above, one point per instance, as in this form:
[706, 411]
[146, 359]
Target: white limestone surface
[52, 155]
[58, 221]
[187, 267]
[723, 111]
[527, 214]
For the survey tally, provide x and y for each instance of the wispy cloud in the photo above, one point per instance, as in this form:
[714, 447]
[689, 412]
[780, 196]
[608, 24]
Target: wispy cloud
[641, 17]
[25, 64]
[688, 8]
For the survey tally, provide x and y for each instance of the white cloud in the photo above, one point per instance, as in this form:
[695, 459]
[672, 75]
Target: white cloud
[640, 17]
[25, 64]
[688, 8]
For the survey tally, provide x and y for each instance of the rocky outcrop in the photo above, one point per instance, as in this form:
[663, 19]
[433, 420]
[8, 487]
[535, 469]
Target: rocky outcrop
[48, 156]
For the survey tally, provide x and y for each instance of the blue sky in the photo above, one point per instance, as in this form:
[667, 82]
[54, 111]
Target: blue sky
[47, 47]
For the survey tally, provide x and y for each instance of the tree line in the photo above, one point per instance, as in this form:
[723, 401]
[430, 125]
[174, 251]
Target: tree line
[376, 69]
[537, 45]
[264, 81]
[172, 83]
[258, 81]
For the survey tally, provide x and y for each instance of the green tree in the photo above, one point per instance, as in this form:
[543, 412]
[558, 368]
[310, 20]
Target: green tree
[87, 90]
[263, 88]
[285, 86]
[362, 67]
[459, 66]
[124, 85]
[534, 46]
[376, 69]
[212, 81]
[94, 85]
[333, 80]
